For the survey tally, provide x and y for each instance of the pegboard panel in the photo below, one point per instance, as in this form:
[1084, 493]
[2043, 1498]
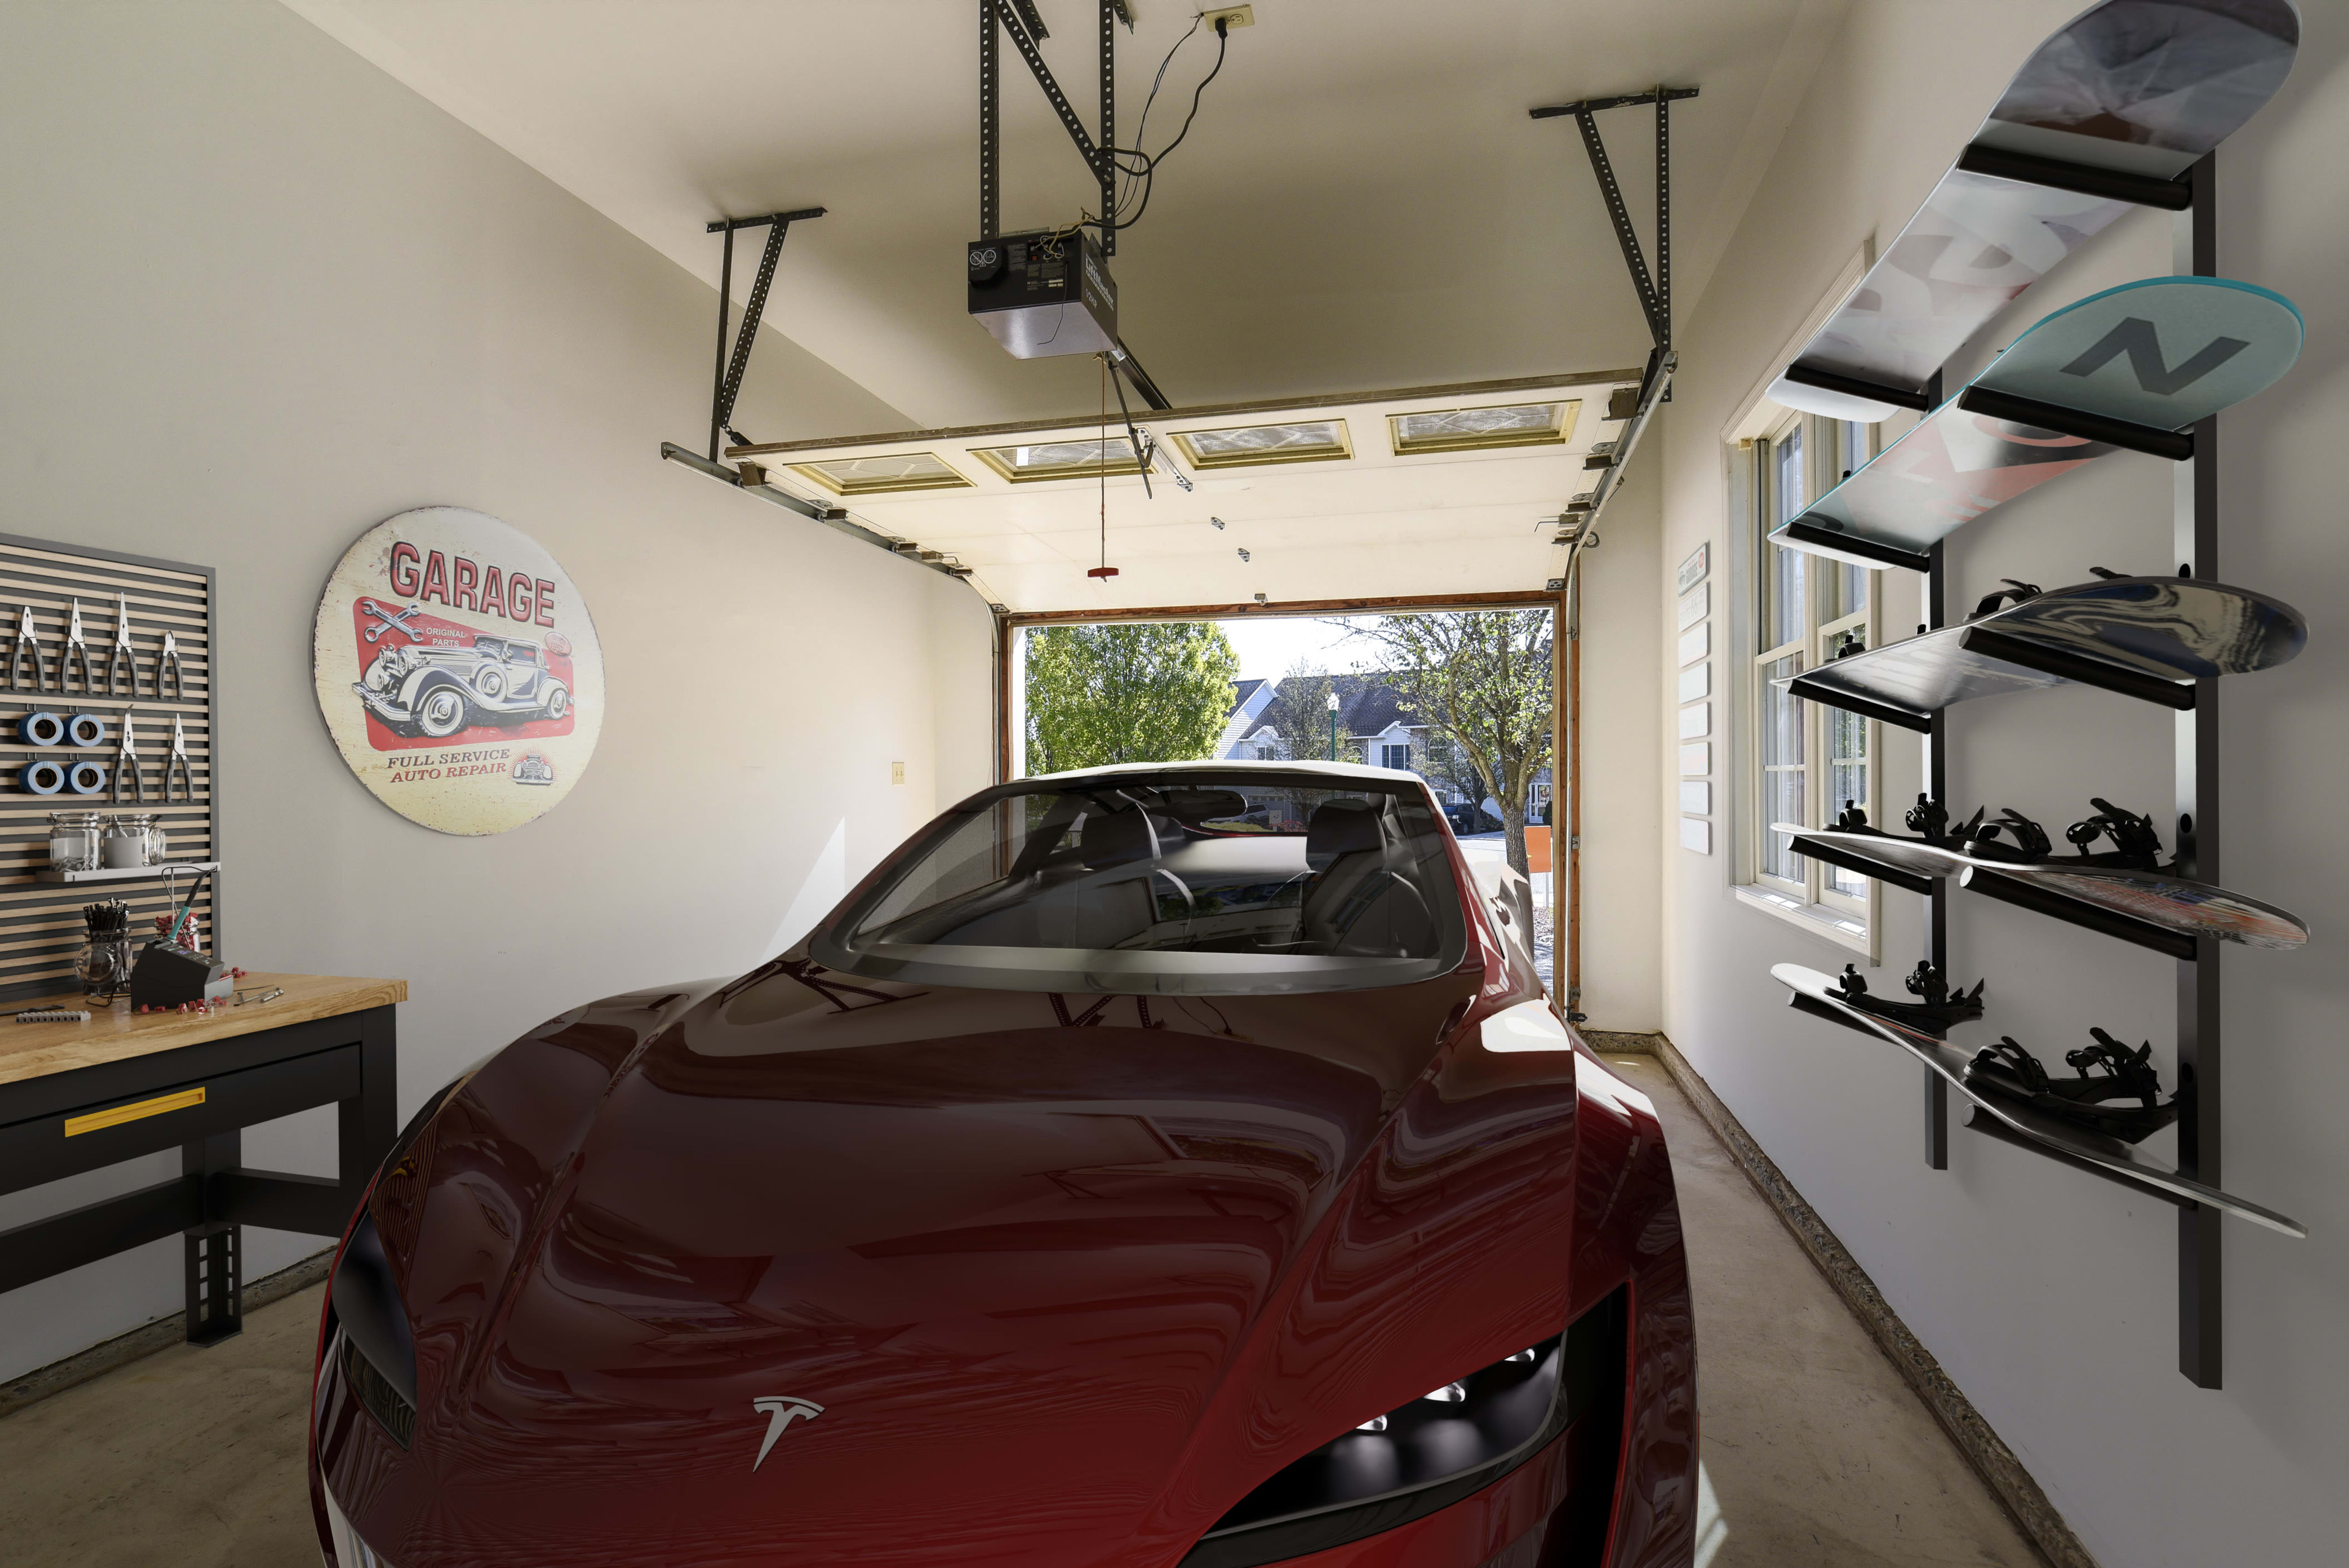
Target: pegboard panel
[41, 928]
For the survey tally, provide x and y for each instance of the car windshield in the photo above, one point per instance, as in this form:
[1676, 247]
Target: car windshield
[1200, 883]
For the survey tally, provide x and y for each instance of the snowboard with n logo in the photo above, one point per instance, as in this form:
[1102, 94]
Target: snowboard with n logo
[2129, 87]
[2161, 354]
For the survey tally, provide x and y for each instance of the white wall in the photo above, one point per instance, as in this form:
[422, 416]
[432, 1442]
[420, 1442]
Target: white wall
[259, 297]
[1624, 649]
[2049, 1296]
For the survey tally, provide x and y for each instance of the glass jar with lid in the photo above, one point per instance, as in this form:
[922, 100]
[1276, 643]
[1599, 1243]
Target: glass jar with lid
[132, 839]
[76, 839]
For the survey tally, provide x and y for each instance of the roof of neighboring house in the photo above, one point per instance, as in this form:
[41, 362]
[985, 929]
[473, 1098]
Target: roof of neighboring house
[1367, 706]
[1242, 691]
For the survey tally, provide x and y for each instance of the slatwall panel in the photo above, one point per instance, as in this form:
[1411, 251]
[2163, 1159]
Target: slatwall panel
[41, 926]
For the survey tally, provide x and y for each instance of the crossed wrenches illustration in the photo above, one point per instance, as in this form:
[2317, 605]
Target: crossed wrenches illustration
[391, 620]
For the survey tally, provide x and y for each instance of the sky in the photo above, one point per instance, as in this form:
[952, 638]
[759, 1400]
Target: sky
[1270, 647]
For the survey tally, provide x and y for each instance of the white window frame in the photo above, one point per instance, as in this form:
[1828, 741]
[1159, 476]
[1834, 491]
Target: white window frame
[1844, 914]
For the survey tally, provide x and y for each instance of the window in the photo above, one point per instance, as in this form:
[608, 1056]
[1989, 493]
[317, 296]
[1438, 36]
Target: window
[1165, 883]
[1476, 430]
[1396, 756]
[1308, 441]
[879, 476]
[1808, 761]
[1070, 459]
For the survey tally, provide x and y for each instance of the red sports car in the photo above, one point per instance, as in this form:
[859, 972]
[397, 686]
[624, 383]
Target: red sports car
[1149, 1166]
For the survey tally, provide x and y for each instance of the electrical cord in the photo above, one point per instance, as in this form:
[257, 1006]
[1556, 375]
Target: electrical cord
[1148, 172]
[1127, 195]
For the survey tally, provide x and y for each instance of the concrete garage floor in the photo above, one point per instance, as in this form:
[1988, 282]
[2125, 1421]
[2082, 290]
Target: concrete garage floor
[1815, 1453]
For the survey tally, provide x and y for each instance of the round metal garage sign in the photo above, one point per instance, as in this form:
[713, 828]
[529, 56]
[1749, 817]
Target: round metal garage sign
[458, 670]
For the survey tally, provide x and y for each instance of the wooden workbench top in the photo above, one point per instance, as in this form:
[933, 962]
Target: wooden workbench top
[36, 1050]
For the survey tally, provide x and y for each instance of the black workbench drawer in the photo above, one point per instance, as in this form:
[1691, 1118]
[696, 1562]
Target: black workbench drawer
[37, 1149]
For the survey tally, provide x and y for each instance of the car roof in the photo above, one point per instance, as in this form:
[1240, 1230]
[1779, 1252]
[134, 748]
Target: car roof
[1219, 765]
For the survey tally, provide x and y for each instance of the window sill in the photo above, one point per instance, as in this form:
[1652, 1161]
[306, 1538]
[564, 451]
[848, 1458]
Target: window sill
[1832, 925]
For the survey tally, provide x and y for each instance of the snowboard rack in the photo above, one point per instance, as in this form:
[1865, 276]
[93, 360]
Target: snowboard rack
[2195, 540]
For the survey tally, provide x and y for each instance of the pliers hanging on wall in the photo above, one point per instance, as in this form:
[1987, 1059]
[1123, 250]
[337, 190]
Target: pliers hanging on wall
[122, 654]
[126, 762]
[27, 640]
[169, 656]
[176, 761]
[74, 644]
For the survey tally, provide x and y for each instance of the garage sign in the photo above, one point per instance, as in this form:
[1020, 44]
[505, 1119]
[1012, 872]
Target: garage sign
[458, 671]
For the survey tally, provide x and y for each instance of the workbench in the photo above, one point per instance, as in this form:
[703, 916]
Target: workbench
[77, 1096]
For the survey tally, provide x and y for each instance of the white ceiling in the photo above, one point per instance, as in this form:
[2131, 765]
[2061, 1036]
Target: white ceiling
[1362, 202]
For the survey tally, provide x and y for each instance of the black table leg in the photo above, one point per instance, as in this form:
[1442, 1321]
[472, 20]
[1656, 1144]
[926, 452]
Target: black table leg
[368, 1122]
[214, 1247]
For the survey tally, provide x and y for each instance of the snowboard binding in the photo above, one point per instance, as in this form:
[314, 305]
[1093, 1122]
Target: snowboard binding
[2014, 593]
[2031, 842]
[1929, 820]
[1937, 1010]
[2090, 1098]
[2136, 845]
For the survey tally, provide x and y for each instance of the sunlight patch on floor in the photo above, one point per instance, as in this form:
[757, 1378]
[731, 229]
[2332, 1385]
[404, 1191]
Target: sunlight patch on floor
[1711, 1530]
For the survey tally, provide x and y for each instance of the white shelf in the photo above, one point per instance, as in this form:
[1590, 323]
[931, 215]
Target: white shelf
[125, 873]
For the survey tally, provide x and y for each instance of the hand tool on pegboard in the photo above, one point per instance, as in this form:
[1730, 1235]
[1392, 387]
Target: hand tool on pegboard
[122, 654]
[74, 644]
[29, 640]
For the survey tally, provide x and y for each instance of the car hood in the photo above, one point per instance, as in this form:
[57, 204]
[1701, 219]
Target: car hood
[1061, 1276]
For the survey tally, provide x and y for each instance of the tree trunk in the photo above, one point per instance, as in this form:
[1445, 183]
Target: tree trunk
[1513, 826]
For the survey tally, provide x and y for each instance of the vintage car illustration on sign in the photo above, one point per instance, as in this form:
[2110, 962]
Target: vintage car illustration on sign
[438, 691]
[1120, 1180]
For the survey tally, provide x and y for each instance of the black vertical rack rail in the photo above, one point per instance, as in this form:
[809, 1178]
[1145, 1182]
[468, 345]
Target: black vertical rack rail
[2195, 250]
[1937, 785]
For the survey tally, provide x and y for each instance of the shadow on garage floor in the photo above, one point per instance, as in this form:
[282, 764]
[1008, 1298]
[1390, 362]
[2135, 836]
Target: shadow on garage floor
[1815, 1453]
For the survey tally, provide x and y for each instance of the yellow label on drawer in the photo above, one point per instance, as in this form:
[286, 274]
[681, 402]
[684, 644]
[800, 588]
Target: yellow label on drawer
[137, 1111]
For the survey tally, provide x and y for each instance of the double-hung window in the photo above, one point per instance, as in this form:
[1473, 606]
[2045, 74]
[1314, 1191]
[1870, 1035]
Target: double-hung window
[1807, 761]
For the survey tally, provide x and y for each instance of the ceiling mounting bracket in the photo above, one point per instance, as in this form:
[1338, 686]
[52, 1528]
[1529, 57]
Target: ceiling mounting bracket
[725, 384]
[1654, 290]
[1019, 19]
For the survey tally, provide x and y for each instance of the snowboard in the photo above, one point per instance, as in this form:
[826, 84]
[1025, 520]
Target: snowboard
[2141, 87]
[2147, 637]
[1815, 994]
[2161, 354]
[2162, 898]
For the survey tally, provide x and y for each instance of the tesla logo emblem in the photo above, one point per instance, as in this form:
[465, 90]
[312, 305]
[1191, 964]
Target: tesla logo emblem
[780, 1412]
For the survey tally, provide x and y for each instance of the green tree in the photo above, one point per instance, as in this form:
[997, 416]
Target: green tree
[1127, 692]
[1480, 679]
[1300, 714]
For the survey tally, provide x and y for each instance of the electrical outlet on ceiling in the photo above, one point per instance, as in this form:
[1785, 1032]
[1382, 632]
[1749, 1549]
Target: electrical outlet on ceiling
[1229, 15]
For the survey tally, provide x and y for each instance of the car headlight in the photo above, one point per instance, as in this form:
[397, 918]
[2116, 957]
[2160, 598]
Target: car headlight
[389, 667]
[371, 1343]
[368, 1339]
[1405, 1463]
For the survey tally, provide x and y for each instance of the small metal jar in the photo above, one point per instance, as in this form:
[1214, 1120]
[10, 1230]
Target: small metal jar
[129, 841]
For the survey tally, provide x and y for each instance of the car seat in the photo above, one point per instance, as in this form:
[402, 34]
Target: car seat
[1353, 904]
